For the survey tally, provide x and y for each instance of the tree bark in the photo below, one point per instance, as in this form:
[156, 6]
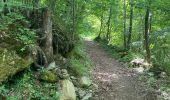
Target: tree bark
[74, 28]
[124, 24]
[130, 25]
[101, 26]
[109, 24]
[146, 35]
[47, 44]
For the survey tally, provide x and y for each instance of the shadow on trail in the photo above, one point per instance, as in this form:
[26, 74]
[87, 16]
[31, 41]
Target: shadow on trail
[115, 82]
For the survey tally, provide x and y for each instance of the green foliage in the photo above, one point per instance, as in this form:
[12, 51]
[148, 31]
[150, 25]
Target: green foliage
[161, 50]
[119, 53]
[79, 61]
[3, 90]
[127, 57]
[159, 34]
[84, 18]
[17, 3]
[48, 76]
[27, 85]
[152, 82]
[90, 26]
[16, 27]
[77, 67]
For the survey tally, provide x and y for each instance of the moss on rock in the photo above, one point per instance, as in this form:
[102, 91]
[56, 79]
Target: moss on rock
[48, 76]
[11, 63]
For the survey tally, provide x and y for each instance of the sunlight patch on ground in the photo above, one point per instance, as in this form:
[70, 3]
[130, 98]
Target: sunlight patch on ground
[106, 77]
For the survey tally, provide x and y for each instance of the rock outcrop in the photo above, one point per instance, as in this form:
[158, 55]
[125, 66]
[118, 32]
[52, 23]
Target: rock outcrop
[11, 63]
[67, 90]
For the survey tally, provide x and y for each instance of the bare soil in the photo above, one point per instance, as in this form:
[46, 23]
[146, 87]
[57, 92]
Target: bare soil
[115, 81]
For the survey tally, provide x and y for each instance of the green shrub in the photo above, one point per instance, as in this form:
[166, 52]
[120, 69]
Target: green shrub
[79, 61]
[27, 85]
[15, 27]
[3, 90]
[127, 58]
[77, 67]
[160, 50]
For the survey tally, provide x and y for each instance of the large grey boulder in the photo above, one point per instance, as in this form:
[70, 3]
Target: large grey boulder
[67, 90]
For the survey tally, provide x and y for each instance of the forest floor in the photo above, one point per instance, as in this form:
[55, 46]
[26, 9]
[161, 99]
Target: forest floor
[115, 81]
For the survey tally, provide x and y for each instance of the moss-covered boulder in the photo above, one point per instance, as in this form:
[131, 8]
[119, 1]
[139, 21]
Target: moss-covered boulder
[48, 76]
[11, 63]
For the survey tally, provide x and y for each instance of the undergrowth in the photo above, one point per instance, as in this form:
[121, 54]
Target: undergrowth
[26, 85]
[116, 52]
[79, 61]
[16, 28]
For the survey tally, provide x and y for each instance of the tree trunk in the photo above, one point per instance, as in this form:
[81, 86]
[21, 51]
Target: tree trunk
[74, 28]
[47, 29]
[101, 26]
[130, 25]
[124, 24]
[146, 35]
[109, 25]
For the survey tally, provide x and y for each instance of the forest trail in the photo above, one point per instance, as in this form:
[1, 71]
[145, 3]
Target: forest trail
[114, 81]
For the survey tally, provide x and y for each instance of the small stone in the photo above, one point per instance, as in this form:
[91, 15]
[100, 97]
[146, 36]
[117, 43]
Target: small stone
[137, 62]
[87, 96]
[73, 78]
[85, 82]
[64, 71]
[165, 95]
[81, 93]
[139, 70]
[95, 86]
[90, 91]
[163, 75]
[64, 74]
[51, 66]
[64, 60]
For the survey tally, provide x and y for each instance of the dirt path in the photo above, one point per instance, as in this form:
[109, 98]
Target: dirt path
[115, 82]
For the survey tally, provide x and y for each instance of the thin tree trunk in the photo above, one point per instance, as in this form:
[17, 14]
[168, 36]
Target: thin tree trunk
[131, 25]
[146, 35]
[73, 7]
[124, 24]
[101, 26]
[109, 24]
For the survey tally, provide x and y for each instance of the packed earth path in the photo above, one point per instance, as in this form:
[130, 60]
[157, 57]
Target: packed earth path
[114, 81]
